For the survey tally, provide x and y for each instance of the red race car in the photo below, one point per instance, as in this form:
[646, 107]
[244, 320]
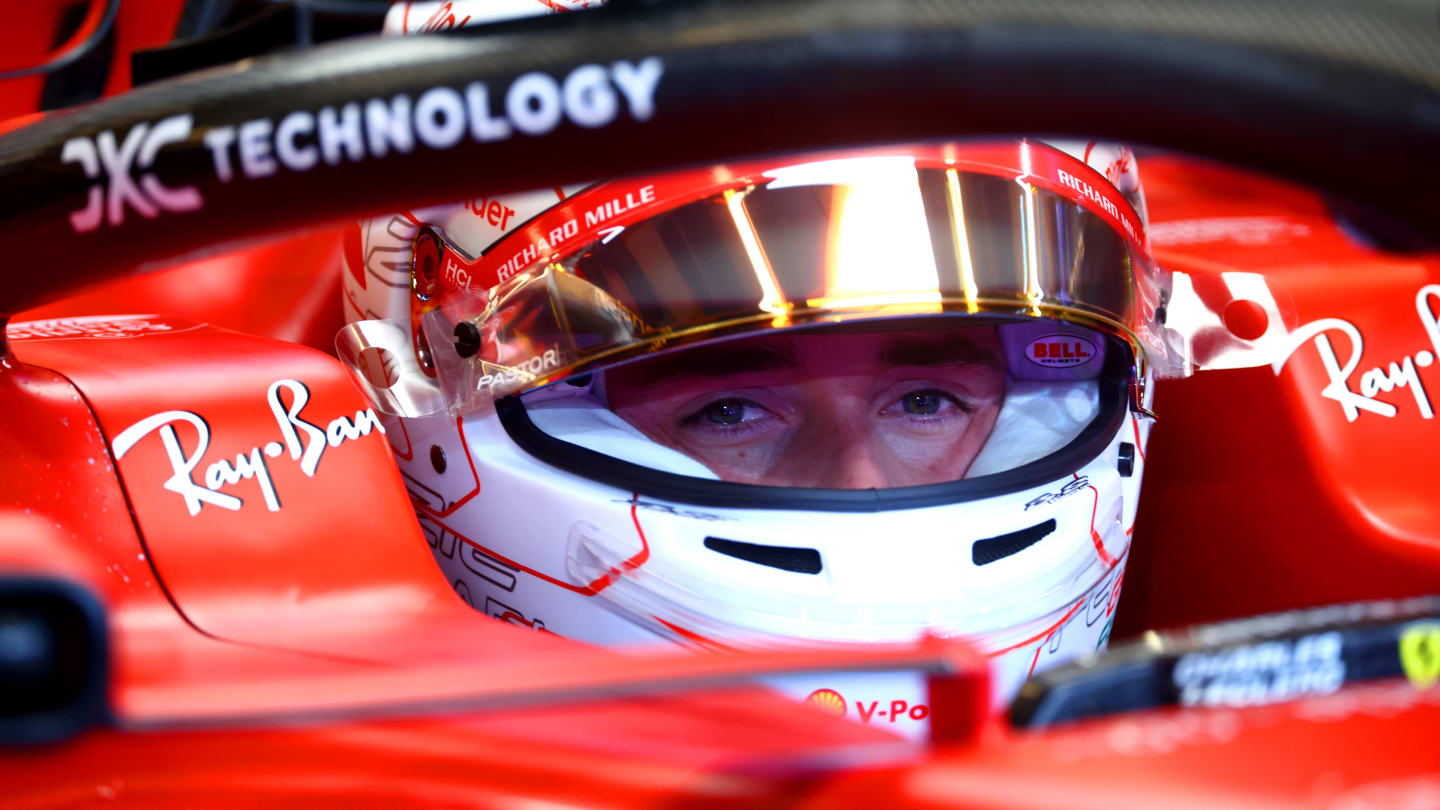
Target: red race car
[841, 394]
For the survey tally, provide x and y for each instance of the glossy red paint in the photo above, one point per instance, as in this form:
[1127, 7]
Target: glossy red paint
[244, 516]
[1260, 495]
[31, 32]
[63, 512]
[287, 288]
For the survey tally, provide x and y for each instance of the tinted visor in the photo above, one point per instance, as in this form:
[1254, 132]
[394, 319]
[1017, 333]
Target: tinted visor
[830, 242]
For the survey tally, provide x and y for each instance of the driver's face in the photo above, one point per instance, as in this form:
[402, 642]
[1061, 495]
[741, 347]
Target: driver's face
[850, 411]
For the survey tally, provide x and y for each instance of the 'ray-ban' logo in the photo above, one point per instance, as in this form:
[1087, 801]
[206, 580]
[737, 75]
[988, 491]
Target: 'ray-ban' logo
[117, 160]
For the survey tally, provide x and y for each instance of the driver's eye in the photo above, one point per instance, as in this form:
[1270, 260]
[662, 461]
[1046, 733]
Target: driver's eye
[725, 411]
[922, 403]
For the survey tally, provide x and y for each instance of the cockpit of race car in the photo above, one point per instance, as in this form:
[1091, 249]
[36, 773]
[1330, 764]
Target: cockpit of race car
[715, 403]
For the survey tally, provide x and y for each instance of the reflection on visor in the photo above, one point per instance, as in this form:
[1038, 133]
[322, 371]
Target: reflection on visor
[891, 240]
[898, 405]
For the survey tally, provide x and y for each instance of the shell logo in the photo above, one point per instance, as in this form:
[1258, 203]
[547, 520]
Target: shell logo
[828, 701]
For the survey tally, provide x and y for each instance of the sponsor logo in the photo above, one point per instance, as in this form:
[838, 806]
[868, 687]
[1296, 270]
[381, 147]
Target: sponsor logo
[542, 245]
[115, 160]
[828, 701]
[1240, 230]
[1398, 374]
[1060, 351]
[1090, 193]
[667, 509]
[494, 212]
[534, 104]
[1267, 672]
[833, 703]
[1420, 654]
[305, 442]
[106, 328]
[506, 378]
[1070, 488]
[443, 19]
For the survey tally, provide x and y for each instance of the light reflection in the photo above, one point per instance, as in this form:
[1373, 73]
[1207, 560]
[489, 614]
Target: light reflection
[1029, 222]
[772, 300]
[962, 241]
[878, 250]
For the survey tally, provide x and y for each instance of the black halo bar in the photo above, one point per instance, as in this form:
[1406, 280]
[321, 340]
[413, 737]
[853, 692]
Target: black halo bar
[1341, 95]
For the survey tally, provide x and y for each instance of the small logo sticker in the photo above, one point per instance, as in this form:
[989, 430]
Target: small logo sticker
[1420, 654]
[828, 701]
[1060, 351]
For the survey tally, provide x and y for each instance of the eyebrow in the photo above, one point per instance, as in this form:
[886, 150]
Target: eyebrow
[717, 361]
[935, 350]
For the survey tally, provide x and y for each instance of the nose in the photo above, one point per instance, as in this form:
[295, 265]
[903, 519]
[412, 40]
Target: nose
[852, 463]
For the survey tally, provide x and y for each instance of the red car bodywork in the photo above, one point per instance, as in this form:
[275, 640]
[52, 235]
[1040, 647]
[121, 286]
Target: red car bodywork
[313, 654]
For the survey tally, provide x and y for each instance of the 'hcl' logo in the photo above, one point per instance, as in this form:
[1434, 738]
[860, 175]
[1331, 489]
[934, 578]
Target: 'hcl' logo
[147, 194]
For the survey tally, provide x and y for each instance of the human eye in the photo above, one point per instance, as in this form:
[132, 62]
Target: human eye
[926, 402]
[726, 415]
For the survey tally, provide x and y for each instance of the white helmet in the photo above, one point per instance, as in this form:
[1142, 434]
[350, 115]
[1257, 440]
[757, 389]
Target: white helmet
[850, 397]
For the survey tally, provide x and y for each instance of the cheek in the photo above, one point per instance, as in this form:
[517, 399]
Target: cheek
[648, 418]
[945, 454]
[931, 450]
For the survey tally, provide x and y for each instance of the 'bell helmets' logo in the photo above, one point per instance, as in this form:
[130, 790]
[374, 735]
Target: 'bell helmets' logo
[117, 160]
[1060, 351]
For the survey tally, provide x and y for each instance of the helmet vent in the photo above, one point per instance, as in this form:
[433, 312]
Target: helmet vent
[998, 548]
[786, 558]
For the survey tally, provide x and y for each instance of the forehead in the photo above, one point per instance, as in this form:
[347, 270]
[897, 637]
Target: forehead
[820, 353]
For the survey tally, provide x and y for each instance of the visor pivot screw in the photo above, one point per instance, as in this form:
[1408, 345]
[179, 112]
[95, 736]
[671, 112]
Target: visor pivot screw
[425, 265]
[1126, 460]
[467, 339]
[437, 458]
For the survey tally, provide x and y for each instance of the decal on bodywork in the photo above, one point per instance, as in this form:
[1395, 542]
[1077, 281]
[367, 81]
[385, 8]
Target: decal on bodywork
[438, 118]
[1420, 654]
[115, 160]
[1261, 673]
[304, 441]
[1400, 373]
[104, 327]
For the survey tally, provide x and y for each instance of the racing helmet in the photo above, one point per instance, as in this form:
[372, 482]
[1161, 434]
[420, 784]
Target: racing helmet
[845, 397]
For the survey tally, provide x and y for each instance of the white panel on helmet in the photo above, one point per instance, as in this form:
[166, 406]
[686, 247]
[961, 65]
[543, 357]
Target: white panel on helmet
[442, 15]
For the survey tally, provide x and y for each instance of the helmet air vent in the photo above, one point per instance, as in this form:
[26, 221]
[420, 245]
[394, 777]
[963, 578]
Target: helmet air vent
[998, 548]
[786, 558]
